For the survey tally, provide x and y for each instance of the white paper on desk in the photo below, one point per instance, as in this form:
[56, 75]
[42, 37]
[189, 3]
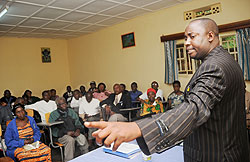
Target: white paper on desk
[125, 148]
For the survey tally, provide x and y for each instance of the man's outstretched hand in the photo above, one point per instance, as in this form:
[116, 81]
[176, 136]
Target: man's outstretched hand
[116, 132]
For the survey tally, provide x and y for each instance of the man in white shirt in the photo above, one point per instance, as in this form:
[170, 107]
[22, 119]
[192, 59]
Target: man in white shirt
[89, 111]
[44, 106]
[159, 92]
[75, 102]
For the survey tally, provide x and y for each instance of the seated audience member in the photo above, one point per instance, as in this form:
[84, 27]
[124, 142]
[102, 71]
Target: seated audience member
[176, 97]
[151, 105]
[123, 88]
[82, 90]
[89, 111]
[134, 93]
[68, 132]
[68, 95]
[53, 95]
[8, 98]
[115, 102]
[5, 114]
[44, 106]
[102, 93]
[22, 131]
[159, 92]
[23, 101]
[92, 87]
[75, 103]
[30, 99]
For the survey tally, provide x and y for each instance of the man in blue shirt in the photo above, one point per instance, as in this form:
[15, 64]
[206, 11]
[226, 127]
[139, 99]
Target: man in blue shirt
[134, 94]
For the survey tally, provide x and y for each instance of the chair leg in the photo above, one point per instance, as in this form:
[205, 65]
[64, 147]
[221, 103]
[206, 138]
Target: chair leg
[3, 148]
[62, 155]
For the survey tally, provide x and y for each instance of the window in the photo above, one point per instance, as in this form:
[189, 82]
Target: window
[229, 44]
[186, 65]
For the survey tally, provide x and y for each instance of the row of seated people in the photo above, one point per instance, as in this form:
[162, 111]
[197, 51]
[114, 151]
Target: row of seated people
[88, 110]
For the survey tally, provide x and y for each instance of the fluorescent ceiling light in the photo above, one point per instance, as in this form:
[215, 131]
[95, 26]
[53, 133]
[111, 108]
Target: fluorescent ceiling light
[3, 11]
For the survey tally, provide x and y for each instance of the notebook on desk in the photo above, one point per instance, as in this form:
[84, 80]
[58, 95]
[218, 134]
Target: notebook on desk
[125, 150]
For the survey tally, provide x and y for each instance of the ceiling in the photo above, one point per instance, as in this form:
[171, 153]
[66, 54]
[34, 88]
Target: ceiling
[71, 18]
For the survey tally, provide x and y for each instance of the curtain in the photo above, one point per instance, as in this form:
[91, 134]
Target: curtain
[171, 67]
[243, 46]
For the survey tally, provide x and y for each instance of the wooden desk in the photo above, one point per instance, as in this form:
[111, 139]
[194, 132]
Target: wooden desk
[130, 111]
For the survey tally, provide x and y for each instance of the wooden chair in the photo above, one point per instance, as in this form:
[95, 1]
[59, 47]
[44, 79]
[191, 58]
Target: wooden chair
[4, 159]
[2, 147]
[30, 112]
[52, 143]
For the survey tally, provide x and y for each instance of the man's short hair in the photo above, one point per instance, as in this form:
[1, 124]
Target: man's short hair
[59, 99]
[43, 93]
[177, 82]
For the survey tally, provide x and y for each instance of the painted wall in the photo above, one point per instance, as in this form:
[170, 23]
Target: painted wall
[99, 56]
[22, 67]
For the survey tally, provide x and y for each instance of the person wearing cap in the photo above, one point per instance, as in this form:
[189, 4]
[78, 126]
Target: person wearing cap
[151, 105]
[159, 92]
[22, 131]
[92, 87]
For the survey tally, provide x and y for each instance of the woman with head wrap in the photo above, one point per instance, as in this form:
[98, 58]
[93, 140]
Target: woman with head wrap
[151, 105]
[22, 131]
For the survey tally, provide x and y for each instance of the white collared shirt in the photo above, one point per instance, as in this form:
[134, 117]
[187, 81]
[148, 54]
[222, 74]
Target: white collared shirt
[90, 108]
[43, 107]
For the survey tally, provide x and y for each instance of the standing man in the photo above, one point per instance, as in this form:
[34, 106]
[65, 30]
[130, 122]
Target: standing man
[68, 132]
[68, 95]
[211, 120]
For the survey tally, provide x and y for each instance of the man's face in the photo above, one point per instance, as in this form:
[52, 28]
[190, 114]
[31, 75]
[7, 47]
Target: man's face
[151, 96]
[82, 89]
[154, 85]
[7, 94]
[122, 88]
[133, 87]
[28, 93]
[76, 95]
[53, 93]
[89, 97]
[176, 88]
[117, 89]
[62, 105]
[46, 96]
[196, 40]
[68, 88]
[92, 85]
[101, 88]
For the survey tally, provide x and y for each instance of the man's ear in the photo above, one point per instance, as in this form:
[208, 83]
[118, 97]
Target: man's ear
[210, 36]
